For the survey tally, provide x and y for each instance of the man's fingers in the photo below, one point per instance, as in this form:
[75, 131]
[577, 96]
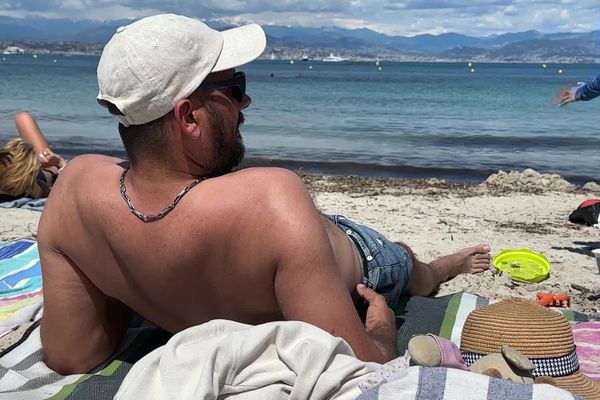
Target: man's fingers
[365, 292]
[370, 295]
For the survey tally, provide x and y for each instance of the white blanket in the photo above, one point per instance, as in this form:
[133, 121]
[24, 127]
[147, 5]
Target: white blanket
[227, 359]
[294, 360]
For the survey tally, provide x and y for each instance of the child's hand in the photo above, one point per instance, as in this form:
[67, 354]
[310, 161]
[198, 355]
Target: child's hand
[49, 159]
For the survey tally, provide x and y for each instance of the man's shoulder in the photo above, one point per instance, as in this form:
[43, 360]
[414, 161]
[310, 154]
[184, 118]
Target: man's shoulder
[265, 172]
[247, 188]
[263, 180]
[88, 165]
[83, 177]
[87, 161]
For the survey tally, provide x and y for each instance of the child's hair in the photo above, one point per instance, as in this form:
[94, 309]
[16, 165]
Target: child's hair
[19, 168]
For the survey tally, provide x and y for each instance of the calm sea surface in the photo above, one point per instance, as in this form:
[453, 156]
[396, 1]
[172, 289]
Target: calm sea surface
[407, 120]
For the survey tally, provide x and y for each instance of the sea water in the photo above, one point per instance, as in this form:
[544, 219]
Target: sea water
[445, 120]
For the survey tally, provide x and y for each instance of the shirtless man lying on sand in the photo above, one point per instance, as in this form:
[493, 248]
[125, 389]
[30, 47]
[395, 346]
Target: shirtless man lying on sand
[180, 239]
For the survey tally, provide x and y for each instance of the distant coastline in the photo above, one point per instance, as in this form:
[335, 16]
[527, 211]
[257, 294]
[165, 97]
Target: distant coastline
[53, 48]
[317, 54]
[66, 36]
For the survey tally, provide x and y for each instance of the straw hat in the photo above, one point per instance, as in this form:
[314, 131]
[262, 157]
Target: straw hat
[543, 335]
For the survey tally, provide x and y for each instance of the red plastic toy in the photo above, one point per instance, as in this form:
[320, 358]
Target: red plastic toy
[554, 300]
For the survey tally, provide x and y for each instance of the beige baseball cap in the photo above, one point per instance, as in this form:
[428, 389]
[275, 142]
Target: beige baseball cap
[150, 64]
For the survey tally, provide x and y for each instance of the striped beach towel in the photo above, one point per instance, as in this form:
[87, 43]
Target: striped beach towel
[23, 375]
[587, 340]
[420, 383]
[20, 284]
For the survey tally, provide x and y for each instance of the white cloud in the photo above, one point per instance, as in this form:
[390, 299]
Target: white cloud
[73, 5]
[399, 17]
[120, 12]
[350, 23]
[511, 11]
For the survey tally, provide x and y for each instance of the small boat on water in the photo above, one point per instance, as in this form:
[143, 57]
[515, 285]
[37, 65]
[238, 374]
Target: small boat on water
[13, 50]
[332, 58]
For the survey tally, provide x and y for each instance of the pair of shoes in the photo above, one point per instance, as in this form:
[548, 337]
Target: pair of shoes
[435, 351]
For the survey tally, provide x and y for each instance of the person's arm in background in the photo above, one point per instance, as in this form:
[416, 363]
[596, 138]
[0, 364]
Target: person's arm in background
[31, 133]
[581, 92]
[589, 91]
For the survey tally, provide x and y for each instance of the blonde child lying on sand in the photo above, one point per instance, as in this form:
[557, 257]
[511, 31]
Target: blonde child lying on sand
[28, 167]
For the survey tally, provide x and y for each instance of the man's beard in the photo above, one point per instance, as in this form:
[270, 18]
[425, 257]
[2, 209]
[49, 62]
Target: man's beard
[228, 145]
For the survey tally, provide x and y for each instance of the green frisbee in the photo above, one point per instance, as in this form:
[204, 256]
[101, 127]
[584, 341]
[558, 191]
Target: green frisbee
[523, 265]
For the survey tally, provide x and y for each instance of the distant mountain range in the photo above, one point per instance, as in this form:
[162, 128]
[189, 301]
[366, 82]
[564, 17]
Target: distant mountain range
[290, 42]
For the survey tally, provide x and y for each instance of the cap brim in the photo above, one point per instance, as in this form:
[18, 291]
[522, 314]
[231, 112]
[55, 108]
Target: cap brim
[580, 385]
[240, 46]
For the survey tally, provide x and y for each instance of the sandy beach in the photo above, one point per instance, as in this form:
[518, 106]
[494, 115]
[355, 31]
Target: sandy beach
[435, 218]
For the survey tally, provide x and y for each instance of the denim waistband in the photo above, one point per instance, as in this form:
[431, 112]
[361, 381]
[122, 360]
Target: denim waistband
[350, 228]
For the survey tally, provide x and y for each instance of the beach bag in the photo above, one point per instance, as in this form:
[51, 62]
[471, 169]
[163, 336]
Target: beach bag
[587, 213]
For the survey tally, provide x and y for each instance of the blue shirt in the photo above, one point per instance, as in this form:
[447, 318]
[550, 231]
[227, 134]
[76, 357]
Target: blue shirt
[589, 91]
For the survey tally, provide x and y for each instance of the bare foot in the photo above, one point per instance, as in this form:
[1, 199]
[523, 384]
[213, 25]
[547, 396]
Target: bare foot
[466, 261]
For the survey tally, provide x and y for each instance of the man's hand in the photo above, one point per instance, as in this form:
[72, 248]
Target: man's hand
[380, 322]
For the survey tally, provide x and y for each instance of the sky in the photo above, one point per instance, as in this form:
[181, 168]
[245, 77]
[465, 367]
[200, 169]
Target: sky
[393, 17]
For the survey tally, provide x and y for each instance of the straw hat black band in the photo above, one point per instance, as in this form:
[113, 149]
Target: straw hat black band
[555, 367]
[542, 335]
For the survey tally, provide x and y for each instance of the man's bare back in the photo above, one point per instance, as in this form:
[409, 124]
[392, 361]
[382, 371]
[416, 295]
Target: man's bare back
[215, 256]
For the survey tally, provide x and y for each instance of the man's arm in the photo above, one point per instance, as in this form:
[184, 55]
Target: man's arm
[307, 283]
[81, 326]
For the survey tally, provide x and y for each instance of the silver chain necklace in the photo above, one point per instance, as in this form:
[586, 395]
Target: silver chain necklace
[165, 211]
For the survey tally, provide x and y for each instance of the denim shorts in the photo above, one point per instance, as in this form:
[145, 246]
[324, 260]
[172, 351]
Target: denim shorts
[387, 266]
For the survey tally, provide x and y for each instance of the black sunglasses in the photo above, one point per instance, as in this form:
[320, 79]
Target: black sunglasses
[237, 85]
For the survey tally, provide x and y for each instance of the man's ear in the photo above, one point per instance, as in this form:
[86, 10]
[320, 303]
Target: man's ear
[185, 115]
